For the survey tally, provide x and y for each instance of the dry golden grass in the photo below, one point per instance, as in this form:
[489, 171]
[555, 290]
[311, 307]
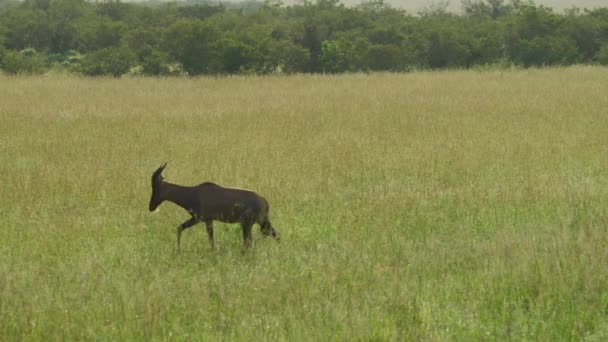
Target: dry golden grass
[455, 205]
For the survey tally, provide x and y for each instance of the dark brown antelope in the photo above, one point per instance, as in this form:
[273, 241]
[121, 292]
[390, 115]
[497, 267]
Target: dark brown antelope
[208, 202]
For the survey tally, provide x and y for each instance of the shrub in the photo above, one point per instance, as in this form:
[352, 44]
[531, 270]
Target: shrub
[109, 61]
[155, 63]
[26, 61]
[332, 59]
[294, 58]
[602, 55]
[382, 57]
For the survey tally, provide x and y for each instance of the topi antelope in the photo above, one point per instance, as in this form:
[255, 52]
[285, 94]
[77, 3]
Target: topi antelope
[210, 202]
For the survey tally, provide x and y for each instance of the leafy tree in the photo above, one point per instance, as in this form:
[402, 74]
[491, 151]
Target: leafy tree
[312, 41]
[113, 9]
[63, 16]
[26, 61]
[446, 48]
[384, 57]
[602, 55]
[189, 42]
[293, 58]
[2, 49]
[486, 8]
[541, 51]
[108, 61]
[232, 55]
[198, 11]
[66, 61]
[353, 49]
[333, 59]
[199, 37]
[155, 63]
[375, 9]
[100, 34]
[437, 8]
[7, 4]
[142, 41]
[584, 33]
[320, 22]
[26, 27]
[262, 43]
[533, 38]
[484, 42]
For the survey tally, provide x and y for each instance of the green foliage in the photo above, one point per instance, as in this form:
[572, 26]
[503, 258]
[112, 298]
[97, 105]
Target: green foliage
[114, 10]
[199, 37]
[26, 61]
[540, 51]
[189, 42]
[333, 59]
[26, 27]
[384, 57]
[100, 34]
[353, 50]
[155, 63]
[232, 55]
[312, 40]
[2, 48]
[262, 44]
[534, 38]
[585, 33]
[64, 61]
[7, 4]
[293, 58]
[198, 11]
[108, 61]
[446, 49]
[486, 8]
[64, 19]
[602, 55]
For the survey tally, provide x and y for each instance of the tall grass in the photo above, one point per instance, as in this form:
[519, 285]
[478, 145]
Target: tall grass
[454, 205]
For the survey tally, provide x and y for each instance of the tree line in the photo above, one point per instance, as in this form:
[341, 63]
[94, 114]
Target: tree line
[112, 37]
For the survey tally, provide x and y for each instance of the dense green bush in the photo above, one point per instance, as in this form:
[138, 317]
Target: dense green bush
[322, 36]
[602, 55]
[26, 61]
[384, 57]
[189, 41]
[293, 58]
[333, 59]
[69, 60]
[155, 63]
[231, 55]
[108, 61]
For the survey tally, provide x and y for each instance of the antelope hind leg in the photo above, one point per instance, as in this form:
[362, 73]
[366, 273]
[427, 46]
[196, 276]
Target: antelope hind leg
[247, 240]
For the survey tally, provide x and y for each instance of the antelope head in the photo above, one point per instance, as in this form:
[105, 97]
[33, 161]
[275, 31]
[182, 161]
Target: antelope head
[157, 181]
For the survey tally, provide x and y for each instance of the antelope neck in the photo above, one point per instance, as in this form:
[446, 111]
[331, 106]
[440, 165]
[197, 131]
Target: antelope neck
[177, 194]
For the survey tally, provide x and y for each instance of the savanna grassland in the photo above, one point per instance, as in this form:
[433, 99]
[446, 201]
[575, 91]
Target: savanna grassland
[460, 205]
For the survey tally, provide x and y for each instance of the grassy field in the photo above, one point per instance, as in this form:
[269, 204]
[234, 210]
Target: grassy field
[457, 205]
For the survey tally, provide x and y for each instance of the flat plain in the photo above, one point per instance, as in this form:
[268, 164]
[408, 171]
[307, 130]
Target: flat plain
[457, 205]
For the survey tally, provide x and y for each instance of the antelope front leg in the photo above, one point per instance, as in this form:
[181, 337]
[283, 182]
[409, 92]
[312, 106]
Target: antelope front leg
[209, 225]
[191, 222]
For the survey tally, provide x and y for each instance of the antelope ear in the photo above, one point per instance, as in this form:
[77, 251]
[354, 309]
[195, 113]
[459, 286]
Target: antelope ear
[158, 173]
